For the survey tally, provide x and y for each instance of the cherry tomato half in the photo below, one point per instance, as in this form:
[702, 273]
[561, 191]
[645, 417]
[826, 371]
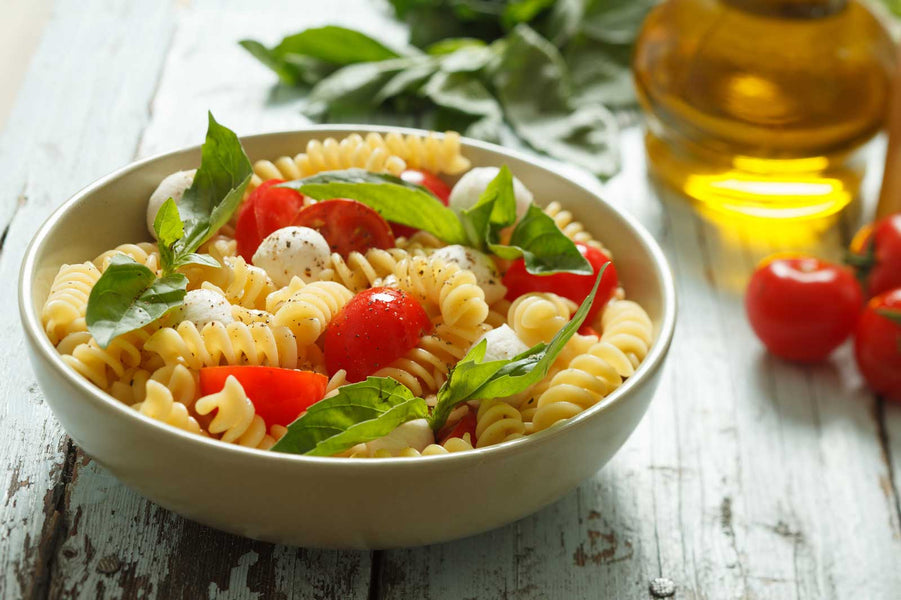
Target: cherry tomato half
[267, 209]
[376, 327]
[876, 255]
[278, 395]
[877, 344]
[802, 308]
[569, 285]
[347, 225]
[465, 425]
[429, 181]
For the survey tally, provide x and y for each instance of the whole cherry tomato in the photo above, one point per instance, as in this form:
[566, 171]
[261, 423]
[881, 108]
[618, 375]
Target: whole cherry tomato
[268, 208]
[376, 327]
[429, 181]
[569, 285]
[347, 225]
[278, 395]
[802, 308]
[876, 255]
[877, 344]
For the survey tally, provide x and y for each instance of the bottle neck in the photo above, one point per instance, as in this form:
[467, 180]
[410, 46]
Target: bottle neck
[790, 9]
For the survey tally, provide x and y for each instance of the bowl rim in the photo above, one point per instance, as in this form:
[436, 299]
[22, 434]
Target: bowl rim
[45, 350]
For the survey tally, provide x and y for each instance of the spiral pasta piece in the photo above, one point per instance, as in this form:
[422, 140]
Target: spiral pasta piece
[452, 445]
[232, 344]
[571, 228]
[144, 253]
[359, 271]
[434, 152]
[537, 317]
[436, 282]
[64, 311]
[235, 417]
[627, 327]
[496, 422]
[219, 247]
[240, 283]
[588, 378]
[103, 365]
[309, 311]
[424, 368]
[132, 387]
[160, 404]
[276, 299]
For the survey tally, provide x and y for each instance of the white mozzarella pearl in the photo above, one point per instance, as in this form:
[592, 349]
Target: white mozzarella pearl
[291, 251]
[467, 191]
[174, 186]
[481, 266]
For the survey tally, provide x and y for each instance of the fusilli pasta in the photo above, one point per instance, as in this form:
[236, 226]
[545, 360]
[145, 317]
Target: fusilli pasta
[160, 404]
[235, 418]
[537, 317]
[240, 283]
[435, 282]
[64, 311]
[308, 312]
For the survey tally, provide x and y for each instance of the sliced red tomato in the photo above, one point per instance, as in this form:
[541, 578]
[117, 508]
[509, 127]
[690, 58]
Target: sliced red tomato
[569, 285]
[802, 308]
[376, 327]
[278, 395]
[276, 207]
[877, 344]
[429, 181]
[465, 425]
[347, 225]
[267, 209]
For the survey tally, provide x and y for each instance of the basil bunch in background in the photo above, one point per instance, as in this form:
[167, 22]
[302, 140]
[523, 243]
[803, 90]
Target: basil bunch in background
[542, 74]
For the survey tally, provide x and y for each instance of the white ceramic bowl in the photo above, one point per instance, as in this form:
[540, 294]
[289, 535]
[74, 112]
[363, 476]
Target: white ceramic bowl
[325, 502]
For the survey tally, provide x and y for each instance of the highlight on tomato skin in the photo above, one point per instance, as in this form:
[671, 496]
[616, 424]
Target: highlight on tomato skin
[877, 344]
[376, 327]
[802, 308]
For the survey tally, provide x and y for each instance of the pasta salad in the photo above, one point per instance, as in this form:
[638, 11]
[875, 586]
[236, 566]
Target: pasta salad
[370, 297]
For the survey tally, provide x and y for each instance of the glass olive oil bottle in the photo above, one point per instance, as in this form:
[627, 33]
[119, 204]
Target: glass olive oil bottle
[759, 106]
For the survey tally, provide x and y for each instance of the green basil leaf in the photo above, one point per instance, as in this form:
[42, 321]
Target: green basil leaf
[393, 198]
[473, 380]
[360, 412]
[466, 95]
[549, 122]
[495, 209]
[218, 187]
[288, 72]
[451, 45]
[169, 229]
[354, 86]
[128, 296]
[544, 248]
[337, 45]
[523, 11]
[196, 259]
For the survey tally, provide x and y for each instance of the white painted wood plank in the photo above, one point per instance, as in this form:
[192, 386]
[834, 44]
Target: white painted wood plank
[79, 115]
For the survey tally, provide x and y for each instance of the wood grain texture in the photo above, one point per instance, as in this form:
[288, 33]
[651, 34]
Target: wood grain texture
[749, 478]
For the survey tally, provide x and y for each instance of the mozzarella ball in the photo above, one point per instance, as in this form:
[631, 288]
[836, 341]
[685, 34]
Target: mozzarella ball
[502, 344]
[481, 266]
[291, 251]
[414, 434]
[174, 186]
[467, 191]
[205, 306]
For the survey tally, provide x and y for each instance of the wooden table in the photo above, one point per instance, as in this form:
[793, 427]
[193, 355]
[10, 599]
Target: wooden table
[748, 478]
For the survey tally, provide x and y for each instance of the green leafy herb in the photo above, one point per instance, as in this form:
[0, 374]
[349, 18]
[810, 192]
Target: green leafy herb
[472, 379]
[544, 248]
[217, 189]
[390, 196]
[495, 209]
[360, 412]
[535, 72]
[129, 296]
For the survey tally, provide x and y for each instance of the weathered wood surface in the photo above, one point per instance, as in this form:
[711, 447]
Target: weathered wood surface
[748, 478]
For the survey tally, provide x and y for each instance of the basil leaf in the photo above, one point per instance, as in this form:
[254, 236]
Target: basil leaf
[169, 229]
[337, 45]
[544, 248]
[451, 45]
[472, 379]
[288, 72]
[549, 122]
[128, 296]
[196, 259]
[393, 198]
[495, 209]
[360, 412]
[478, 113]
[218, 187]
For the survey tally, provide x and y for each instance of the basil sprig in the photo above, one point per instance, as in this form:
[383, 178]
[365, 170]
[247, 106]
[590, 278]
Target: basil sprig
[129, 295]
[365, 411]
[544, 248]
